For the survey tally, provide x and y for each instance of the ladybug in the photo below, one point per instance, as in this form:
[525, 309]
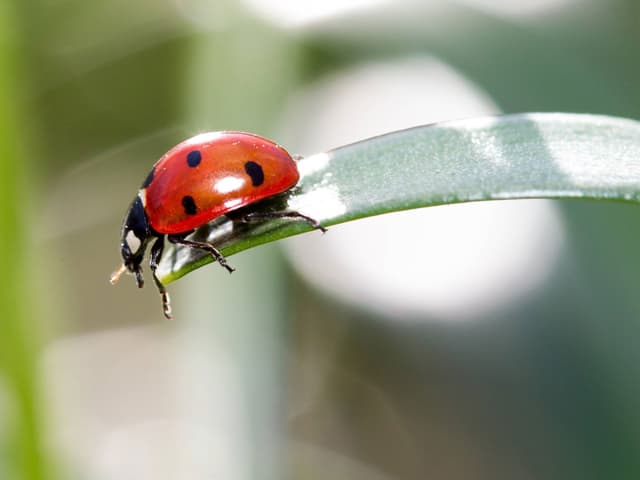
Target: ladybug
[197, 181]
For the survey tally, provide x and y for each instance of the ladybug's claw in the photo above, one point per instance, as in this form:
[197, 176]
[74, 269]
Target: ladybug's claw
[139, 278]
[156, 255]
[317, 226]
[223, 261]
[166, 305]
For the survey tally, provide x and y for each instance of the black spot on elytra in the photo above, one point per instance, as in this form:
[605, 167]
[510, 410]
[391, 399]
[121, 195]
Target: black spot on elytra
[189, 205]
[194, 157]
[149, 178]
[254, 170]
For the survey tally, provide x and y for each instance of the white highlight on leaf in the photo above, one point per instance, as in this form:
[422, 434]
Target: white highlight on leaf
[312, 164]
[320, 203]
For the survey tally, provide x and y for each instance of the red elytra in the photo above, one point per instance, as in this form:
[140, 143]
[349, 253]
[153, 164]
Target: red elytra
[228, 170]
[195, 182]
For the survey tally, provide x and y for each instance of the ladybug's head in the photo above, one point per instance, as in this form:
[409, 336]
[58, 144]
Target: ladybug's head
[135, 236]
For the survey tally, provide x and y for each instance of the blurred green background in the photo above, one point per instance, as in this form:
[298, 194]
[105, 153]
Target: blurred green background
[514, 353]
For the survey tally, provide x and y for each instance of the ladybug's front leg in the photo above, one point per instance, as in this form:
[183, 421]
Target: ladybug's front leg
[207, 247]
[156, 254]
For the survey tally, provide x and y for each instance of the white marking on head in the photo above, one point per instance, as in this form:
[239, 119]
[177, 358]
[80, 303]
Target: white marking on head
[142, 193]
[133, 242]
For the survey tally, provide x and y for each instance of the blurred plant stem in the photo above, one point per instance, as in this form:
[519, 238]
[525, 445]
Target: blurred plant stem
[21, 454]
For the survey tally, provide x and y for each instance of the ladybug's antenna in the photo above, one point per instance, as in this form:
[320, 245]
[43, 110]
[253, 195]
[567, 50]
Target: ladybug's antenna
[115, 276]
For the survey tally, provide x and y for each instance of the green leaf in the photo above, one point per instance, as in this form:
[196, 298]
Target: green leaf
[538, 155]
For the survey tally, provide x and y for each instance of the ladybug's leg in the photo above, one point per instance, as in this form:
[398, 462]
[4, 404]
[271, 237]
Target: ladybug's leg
[259, 216]
[156, 254]
[207, 247]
